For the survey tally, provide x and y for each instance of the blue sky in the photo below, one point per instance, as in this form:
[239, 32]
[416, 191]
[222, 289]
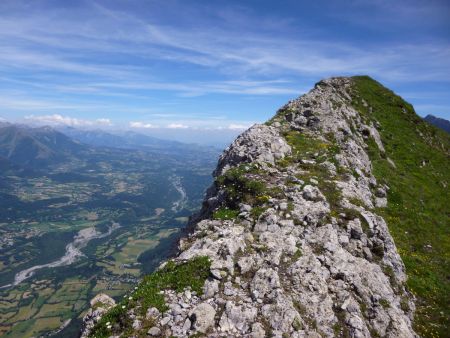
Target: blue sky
[216, 65]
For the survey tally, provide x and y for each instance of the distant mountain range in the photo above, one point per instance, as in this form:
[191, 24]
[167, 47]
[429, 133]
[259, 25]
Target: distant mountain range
[30, 147]
[124, 140]
[438, 122]
[35, 148]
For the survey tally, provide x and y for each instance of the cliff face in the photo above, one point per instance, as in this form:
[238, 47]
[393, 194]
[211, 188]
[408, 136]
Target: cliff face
[294, 245]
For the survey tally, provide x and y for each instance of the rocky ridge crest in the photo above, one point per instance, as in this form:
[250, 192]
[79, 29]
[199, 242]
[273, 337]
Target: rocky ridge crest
[295, 246]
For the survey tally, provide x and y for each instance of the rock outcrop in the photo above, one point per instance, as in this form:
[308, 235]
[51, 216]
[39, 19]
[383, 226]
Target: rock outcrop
[295, 246]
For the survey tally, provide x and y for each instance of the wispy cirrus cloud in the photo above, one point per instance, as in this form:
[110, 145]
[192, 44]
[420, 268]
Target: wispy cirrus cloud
[234, 60]
[222, 48]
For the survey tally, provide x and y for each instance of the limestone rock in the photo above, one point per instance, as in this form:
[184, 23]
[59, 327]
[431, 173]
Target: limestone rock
[202, 317]
[259, 144]
[299, 260]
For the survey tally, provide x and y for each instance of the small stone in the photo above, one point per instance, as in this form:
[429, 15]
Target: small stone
[355, 229]
[258, 331]
[210, 288]
[137, 324]
[152, 313]
[245, 208]
[367, 253]
[103, 299]
[228, 289]
[283, 206]
[154, 331]
[343, 239]
[165, 321]
[311, 193]
[187, 325]
[380, 192]
[176, 309]
[202, 317]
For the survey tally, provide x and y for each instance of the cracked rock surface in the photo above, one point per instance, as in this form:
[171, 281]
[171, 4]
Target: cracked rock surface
[304, 254]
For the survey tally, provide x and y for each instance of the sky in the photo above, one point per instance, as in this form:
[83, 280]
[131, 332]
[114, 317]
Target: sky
[208, 68]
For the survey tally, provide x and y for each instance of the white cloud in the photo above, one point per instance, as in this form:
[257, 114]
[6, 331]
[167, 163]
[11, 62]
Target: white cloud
[103, 121]
[261, 62]
[57, 119]
[138, 124]
[234, 126]
[176, 126]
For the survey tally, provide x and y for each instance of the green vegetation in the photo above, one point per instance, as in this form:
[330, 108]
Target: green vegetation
[297, 255]
[257, 211]
[173, 276]
[418, 199]
[303, 144]
[224, 213]
[385, 303]
[242, 185]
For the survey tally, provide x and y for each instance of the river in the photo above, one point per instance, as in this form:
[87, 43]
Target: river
[73, 252]
[179, 204]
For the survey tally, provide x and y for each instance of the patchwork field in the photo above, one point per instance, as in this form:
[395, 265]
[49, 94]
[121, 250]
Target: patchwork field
[96, 228]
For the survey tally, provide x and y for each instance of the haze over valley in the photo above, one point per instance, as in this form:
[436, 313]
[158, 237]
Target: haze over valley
[77, 219]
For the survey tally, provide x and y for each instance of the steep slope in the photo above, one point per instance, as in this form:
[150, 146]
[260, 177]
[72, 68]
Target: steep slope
[438, 122]
[292, 239]
[419, 200]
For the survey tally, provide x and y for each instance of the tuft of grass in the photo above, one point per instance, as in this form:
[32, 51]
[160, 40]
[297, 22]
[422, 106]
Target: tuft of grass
[240, 187]
[418, 211]
[173, 276]
[225, 214]
[302, 144]
[297, 255]
[385, 303]
[257, 211]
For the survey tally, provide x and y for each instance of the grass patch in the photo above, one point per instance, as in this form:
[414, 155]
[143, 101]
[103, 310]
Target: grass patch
[302, 144]
[418, 199]
[241, 185]
[385, 303]
[225, 214]
[257, 211]
[297, 255]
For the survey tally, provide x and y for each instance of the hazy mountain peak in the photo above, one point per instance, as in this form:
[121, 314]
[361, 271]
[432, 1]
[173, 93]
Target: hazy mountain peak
[41, 146]
[438, 122]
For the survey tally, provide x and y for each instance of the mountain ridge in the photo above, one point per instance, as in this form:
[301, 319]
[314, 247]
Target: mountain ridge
[438, 122]
[290, 240]
[26, 146]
